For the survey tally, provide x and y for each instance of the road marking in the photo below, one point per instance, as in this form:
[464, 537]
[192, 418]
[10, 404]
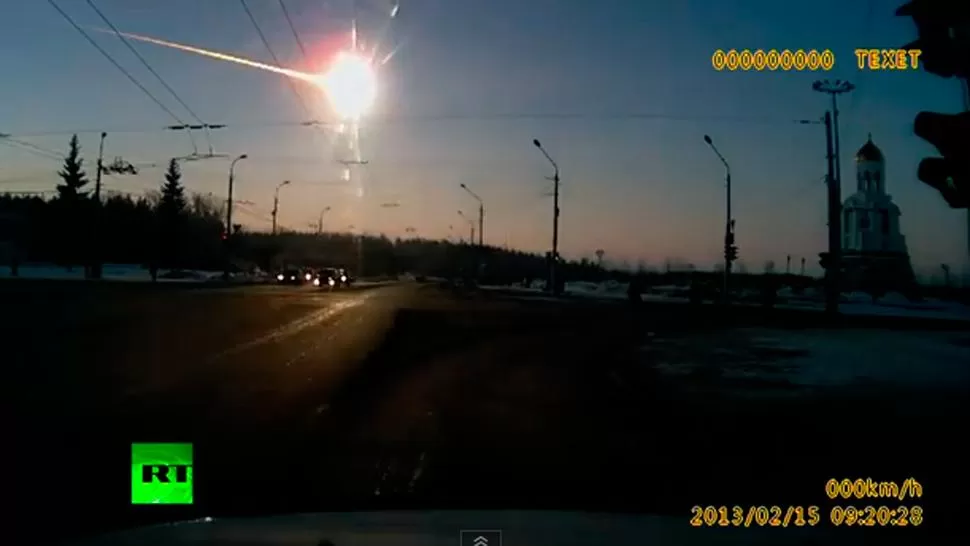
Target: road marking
[293, 327]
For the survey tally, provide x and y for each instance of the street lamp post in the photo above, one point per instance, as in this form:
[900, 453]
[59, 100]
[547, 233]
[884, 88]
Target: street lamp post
[555, 219]
[728, 232]
[320, 221]
[471, 227]
[276, 202]
[232, 169]
[481, 215]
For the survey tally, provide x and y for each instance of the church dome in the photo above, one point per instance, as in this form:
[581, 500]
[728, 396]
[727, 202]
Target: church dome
[869, 152]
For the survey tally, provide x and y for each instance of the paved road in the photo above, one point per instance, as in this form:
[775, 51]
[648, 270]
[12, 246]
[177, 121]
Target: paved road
[407, 396]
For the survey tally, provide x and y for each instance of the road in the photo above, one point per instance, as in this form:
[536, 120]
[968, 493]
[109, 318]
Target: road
[410, 396]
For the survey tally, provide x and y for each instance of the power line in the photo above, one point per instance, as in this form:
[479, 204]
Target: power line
[152, 70]
[296, 35]
[117, 65]
[276, 60]
[620, 116]
[30, 148]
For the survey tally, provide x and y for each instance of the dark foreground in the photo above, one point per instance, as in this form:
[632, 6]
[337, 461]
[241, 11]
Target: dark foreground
[413, 397]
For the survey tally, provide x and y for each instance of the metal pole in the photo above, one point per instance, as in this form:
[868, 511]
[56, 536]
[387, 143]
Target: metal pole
[728, 241]
[835, 137]
[97, 178]
[554, 261]
[95, 271]
[834, 265]
[834, 270]
[555, 233]
[966, 107]
[728, 223]
[232, 167]
[276, 206]
[481, 224]
[276, 202]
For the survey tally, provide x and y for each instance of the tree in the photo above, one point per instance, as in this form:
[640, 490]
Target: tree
[73, 174]
[599, 257]
[769, 267]
[172, 202]
[171, 214]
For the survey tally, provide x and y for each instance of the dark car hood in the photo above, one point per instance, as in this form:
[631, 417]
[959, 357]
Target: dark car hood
[518, 528]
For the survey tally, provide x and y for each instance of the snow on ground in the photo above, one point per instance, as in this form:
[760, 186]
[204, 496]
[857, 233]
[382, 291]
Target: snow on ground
[762, 361]
[851, 304]
[113, 272]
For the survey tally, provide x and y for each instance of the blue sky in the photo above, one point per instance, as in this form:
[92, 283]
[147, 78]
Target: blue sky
[466, 78]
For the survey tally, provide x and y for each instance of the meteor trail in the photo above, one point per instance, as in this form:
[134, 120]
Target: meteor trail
[288, 72]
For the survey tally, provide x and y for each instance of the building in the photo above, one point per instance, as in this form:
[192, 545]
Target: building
[875, 257]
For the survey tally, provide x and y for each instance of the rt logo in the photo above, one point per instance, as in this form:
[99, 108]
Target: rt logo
[161, 474]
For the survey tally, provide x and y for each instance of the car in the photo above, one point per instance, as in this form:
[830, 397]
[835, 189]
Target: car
[332, 277]
[291, 276]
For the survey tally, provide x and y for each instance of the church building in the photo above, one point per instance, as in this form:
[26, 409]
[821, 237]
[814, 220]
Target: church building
[874, 250]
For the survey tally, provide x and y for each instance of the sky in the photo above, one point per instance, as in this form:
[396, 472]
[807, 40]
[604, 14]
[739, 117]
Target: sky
[620, 93]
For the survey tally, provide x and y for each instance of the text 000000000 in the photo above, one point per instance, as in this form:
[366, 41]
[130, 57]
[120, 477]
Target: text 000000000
[773, 60]
[758, 516]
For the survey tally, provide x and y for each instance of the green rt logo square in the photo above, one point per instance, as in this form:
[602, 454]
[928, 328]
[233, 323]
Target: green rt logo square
[161, 473]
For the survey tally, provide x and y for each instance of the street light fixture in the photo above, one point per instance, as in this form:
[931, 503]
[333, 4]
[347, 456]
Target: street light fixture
[729, 222]
[555, 217]
[276, 202]
[481, 215]
[232, 170]
[320, 221]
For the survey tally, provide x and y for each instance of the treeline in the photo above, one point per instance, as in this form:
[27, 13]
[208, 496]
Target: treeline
[78, 228]
[168, 229]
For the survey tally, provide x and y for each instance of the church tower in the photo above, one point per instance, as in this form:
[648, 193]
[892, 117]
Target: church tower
[874, 250]
[870, 169]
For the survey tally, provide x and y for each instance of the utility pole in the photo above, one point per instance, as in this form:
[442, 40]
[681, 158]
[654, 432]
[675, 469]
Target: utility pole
[96, 268]
[229, 226]
[965, 92]
[834, 269]
[730, 251]
[554, 261]
[803, 267]
[834, 256]
[788, 265]
[276, 202]
[835, 89]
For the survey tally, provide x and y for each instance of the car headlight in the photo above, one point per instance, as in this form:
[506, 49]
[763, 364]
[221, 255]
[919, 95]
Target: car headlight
[308, 276]
[279, 277]
[343, 278]
[331, 282]
[316, 282]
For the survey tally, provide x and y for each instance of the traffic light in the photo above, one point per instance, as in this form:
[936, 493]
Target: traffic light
[944, 40]
[950, 174]
[943, 36]
[731, 253]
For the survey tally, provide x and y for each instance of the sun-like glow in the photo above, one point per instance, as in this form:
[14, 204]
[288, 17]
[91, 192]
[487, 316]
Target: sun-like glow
[351, 85]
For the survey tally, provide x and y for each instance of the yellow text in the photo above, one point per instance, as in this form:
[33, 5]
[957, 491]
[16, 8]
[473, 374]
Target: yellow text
[888, 59]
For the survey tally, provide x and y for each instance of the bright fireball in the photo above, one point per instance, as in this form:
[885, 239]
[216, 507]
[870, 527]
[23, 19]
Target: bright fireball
[350, 85]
